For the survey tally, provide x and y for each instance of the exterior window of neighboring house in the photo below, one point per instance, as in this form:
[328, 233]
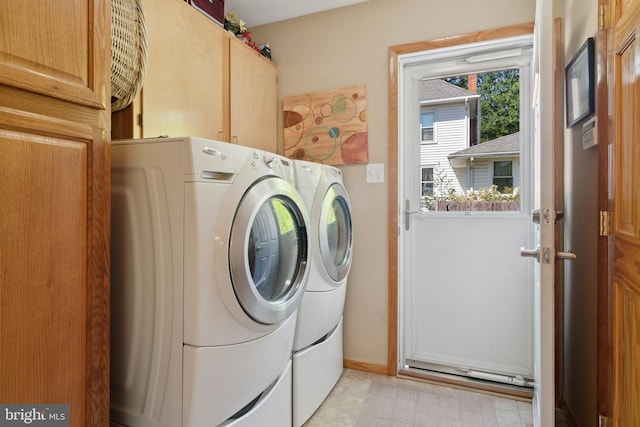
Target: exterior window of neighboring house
[426, 126]
[503, 175]
[427, 180]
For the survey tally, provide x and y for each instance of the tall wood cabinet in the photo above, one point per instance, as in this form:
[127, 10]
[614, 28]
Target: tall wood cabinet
[200, 81]
[54, 206]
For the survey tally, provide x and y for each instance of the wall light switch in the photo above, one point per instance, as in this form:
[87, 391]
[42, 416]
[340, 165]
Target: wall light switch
[375, 173]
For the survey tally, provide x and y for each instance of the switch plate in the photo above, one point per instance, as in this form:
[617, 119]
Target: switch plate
[375, 173]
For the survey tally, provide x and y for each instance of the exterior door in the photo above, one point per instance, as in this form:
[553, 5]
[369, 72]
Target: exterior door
[624, 303]
[461, 274]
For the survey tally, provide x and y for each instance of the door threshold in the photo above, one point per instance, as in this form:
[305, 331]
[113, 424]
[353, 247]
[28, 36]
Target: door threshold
[470, 384]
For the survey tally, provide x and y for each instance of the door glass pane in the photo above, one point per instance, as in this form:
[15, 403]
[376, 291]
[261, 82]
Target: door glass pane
[476, 161]
[273, 250]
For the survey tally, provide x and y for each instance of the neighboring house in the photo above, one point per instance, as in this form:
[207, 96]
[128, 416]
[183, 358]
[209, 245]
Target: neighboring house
[495, 162]
[448, 124]
[451, 157]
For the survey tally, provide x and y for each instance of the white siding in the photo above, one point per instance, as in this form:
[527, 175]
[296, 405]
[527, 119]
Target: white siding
[451, 134]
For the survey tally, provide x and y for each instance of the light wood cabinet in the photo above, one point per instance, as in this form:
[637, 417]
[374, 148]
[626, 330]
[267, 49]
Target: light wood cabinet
[200, 81]
[54, 206]
[253, 99]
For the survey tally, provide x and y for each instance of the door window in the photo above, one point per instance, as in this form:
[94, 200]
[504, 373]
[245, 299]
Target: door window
[477, 115]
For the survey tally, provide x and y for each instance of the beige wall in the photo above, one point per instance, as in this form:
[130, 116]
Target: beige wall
[346, 47]
[581, 227]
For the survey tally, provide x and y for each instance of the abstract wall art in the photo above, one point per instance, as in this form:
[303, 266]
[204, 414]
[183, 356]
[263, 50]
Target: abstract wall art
[327, 127]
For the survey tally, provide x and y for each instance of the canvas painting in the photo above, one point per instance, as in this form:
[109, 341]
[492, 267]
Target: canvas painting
[327, 127]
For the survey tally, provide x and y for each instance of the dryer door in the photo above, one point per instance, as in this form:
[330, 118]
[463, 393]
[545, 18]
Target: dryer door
[335, 233]
[268, 251]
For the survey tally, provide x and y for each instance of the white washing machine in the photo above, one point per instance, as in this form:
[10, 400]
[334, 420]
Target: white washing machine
[318, 356]
[209, 265]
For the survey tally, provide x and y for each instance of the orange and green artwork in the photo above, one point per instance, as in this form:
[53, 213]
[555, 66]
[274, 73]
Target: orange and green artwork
[327, 127]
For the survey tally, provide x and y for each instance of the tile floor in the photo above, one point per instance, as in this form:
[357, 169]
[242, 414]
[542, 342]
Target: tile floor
[361, 399]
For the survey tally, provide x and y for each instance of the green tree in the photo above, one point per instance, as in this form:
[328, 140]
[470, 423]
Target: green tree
[499, 102]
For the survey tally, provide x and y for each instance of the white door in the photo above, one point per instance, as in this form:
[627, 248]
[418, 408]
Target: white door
[543, 64]
[466, 294]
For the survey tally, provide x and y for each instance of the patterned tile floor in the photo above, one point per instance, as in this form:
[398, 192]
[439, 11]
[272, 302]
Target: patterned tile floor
[361, 399]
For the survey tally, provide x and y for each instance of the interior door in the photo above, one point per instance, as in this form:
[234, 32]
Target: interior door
[624, 304]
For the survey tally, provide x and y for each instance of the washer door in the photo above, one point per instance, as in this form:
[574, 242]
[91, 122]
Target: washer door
[268, 251]
[335, 233]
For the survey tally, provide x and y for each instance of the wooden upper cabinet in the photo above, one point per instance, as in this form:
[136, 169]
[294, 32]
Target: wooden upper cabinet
[200, 81]
[253, 99]
[54, 205]
[52, 48]
[182, 89]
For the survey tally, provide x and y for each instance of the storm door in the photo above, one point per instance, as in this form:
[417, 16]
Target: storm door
[465, 187]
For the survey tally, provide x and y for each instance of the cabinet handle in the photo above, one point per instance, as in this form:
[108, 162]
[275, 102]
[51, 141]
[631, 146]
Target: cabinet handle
[234, 140]
[221, 135]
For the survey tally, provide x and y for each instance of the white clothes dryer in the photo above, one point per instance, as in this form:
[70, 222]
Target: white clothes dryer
[209, 265]
[318, 356]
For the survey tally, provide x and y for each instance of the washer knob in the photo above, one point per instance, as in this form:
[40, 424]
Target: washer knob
[270, 161]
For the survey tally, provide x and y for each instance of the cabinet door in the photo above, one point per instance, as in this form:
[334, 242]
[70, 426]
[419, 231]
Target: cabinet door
[182, 90]
[54, 206]
[48, 48]
[43, 232]
[253, 98]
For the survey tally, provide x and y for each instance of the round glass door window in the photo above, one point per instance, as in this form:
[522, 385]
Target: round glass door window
[274, 248]
[269, 250]
[335, 233]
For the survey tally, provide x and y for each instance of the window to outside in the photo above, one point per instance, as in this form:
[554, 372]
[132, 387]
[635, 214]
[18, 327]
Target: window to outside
[427, 118]
[477, 116]
[503, 175]
[427, 181]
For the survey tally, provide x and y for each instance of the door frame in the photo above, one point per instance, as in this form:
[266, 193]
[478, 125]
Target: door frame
[393, 205]
[604, 385]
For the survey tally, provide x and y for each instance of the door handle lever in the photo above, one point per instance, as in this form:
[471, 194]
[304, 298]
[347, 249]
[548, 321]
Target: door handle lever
[566, 255]
[407, 212]
[535, 253]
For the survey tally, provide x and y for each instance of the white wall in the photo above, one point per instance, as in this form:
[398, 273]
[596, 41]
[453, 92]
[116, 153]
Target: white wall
[347, 47]
[581, 228]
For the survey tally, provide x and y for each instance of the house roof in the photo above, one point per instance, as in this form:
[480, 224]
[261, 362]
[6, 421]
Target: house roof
[438, 90]
[505, 145]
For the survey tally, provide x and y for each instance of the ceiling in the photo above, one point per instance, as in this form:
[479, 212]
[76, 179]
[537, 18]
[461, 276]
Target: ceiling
[259, 12]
